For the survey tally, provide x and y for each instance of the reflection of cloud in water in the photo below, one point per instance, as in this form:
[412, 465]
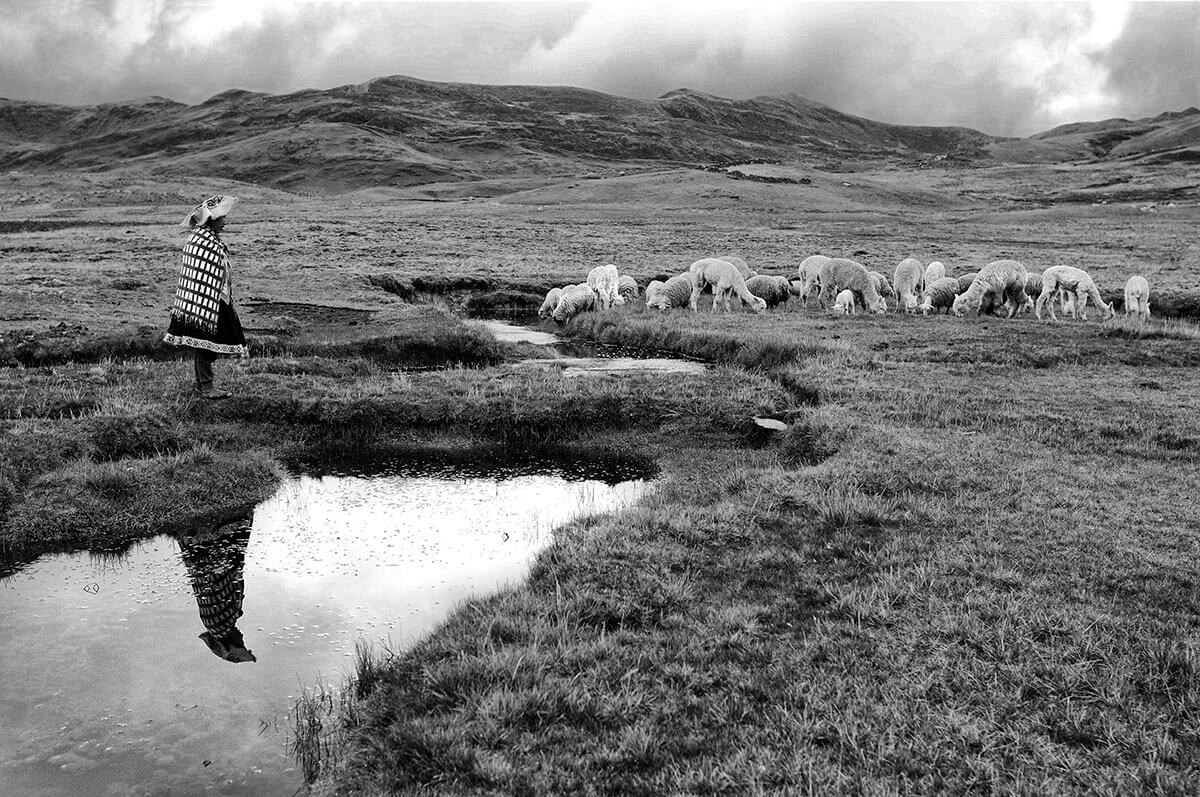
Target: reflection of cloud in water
[402, 534]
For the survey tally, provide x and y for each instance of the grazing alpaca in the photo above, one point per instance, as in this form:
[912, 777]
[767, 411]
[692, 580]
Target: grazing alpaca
[934, 272]
[740, 264]
[1137, 297]
[998, 280]
[939, 295]
[603, 280]
[725, 280]
[772, 290]
[838, 273]
[574, 300]
[628, 288]
[907, 281]
[675, 292]
[1077, 284]
[808, 275]
[844, 303]
[550, 302]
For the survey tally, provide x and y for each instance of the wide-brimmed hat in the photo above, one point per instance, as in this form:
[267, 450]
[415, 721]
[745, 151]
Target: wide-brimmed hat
[212, 208]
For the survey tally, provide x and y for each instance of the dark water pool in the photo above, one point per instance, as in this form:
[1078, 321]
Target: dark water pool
[170, 668]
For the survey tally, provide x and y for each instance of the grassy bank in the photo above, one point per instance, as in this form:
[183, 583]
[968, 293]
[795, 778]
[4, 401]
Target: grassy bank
[946, 578]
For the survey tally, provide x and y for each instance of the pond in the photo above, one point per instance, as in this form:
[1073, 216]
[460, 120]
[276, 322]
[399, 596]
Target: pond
[171, 667]
[578, 358]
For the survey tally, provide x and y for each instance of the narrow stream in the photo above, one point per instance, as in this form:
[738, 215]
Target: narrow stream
[577, 358]
[170, 668]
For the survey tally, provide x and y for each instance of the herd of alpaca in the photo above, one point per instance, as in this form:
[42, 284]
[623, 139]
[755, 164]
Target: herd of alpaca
[842, 286]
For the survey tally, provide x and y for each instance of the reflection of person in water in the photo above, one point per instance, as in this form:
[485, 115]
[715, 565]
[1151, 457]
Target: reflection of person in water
[214, 559]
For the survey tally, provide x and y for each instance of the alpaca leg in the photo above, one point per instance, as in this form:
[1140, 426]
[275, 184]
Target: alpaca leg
[695, 295]
[1043, 298]
[1081, 300]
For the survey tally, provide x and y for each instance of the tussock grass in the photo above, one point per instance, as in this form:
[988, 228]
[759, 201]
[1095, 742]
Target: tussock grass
[1175, 329]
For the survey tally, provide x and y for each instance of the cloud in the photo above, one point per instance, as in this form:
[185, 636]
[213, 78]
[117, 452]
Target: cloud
[87, 52]
[1007, 68]
[1154, 65]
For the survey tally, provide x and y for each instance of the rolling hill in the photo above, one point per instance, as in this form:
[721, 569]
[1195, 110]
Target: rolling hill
[400, 131]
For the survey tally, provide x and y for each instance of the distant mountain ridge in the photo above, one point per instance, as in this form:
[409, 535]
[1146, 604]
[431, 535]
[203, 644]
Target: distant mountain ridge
[403, 131]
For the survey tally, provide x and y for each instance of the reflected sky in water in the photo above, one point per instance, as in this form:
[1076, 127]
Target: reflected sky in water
[109, 687]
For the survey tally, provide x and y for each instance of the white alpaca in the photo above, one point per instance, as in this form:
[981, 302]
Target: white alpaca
[839, 273]
[808, 273]
[675, 292]
[1002, 280]
[1077, 284]
[1137, 297]
[740, 264]
[772, 290]
[844, 303]
[939, 295]
[907, 281]
[725, 280]
[550, 302]
[604, 281]
[934, 272]
[574, 300]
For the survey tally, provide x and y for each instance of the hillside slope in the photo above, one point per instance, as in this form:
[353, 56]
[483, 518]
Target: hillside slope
[399, 131]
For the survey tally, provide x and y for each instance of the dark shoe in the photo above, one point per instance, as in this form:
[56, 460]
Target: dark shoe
[212, 393]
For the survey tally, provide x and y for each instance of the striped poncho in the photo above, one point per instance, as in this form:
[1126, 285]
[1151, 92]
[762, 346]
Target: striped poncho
[203, 283]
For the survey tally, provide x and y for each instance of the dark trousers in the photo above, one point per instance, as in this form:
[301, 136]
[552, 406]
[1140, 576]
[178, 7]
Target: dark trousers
[204, 368]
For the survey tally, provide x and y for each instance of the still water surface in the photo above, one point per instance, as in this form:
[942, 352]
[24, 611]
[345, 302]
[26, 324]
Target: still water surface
[170, 669]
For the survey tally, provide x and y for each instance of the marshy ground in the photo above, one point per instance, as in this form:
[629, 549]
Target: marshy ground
[968, 564]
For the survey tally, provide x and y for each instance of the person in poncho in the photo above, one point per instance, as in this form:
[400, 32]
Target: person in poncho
[202, 316]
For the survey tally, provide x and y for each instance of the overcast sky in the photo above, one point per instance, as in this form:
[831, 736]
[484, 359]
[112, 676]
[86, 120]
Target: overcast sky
[1006, 68]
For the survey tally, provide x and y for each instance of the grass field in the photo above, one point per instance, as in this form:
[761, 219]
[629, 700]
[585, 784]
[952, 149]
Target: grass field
[969, 564]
